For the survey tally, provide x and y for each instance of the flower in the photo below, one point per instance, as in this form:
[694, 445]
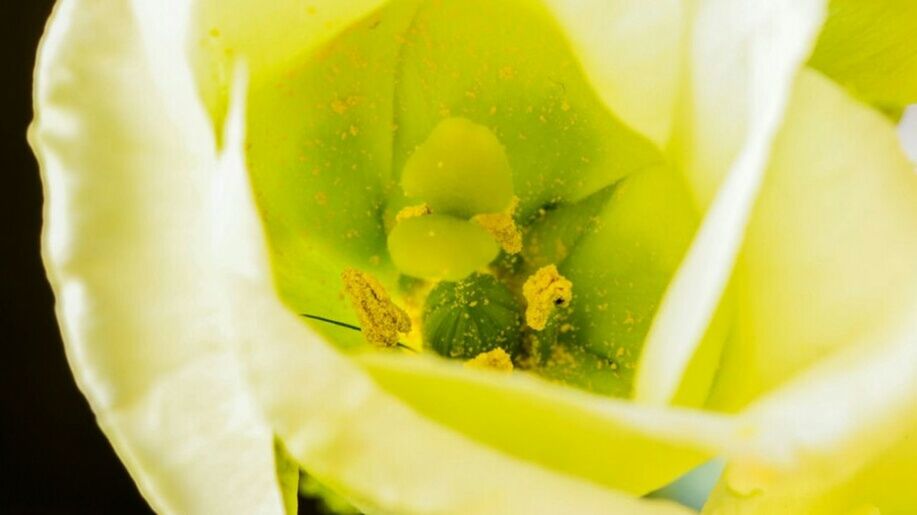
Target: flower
[776, 323]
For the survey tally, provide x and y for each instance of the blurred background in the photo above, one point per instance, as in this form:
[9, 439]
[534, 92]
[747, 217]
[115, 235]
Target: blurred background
[53, 457]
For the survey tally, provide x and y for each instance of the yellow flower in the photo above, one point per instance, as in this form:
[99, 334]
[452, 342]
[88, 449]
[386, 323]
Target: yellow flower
[749, 289]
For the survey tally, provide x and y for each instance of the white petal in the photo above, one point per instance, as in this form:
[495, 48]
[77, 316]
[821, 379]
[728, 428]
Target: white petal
[829, 296]
[631, 51]
[125, 164]
[839, 438]
[745, 56]
[907, 131]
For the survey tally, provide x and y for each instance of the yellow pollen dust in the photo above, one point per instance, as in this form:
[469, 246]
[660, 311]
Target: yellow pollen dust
[543, 291]
[496, 359]
[413, 212]
[503, 228]
[380, 319]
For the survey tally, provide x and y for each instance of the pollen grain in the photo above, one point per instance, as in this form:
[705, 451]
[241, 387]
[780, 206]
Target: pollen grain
[496, 359]
[503, 228]
[413, 212]
[380, 318]
[543, 291]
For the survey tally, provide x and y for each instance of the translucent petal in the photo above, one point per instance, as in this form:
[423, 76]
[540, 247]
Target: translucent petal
[884, 486]
[609, 442]
[507, 66]
[387, 457]
[268, 35]
[869, 48]
[744, 57]
[126, 164]
[630, 50]
[838, 439]
[907, 133]
[830, 252]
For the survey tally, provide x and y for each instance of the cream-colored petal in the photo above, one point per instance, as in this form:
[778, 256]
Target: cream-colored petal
[907, 132]
[608, 441]
[124, 164]
[839, 438]
[829, 270]
[884, 486]
[630, 50]
[744, 56]
[830, 252]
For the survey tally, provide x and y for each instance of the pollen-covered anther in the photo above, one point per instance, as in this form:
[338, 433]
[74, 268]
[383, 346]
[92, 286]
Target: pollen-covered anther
[503, 228]
[413, 212]
[545, 290]
[496, 359]
[380, 318]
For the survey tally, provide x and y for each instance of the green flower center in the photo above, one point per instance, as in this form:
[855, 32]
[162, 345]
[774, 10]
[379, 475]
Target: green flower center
[474, 121]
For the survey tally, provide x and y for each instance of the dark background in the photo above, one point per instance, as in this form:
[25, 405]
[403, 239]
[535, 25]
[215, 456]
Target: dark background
[53, 457]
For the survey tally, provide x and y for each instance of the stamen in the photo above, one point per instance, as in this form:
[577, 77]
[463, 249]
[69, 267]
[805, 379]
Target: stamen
[381, 319]
[351, 327]
[503, 228]
[413, 212]
[496, 359]
[545, 290]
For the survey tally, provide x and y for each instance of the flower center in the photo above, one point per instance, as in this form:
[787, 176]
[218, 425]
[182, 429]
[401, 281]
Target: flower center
[451, 150]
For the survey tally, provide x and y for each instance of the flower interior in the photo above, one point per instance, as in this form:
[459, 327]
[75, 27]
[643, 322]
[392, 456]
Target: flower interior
[454, 154]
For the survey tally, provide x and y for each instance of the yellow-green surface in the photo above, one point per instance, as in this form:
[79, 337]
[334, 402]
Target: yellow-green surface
[460, 169]
[149, 206]
[867, 47]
